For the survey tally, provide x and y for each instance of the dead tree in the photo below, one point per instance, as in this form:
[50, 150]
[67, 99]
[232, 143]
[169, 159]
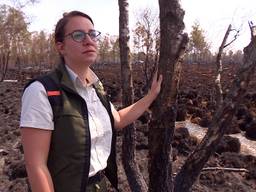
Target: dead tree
[161, 127]
[135, 179]
[219, 97]
[222, 118]
[4, 65]
[224, 44]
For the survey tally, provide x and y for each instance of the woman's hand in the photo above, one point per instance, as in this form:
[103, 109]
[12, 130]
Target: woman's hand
[155, 85]
[129, 114]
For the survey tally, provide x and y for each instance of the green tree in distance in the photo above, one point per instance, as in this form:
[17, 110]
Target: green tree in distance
[198, 46]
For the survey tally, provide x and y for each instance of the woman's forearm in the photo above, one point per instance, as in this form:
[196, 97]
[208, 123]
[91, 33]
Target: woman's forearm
[39, 178]
[36, 144]
[131, 113]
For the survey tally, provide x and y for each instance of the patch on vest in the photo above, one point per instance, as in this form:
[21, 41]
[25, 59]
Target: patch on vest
[53, 93]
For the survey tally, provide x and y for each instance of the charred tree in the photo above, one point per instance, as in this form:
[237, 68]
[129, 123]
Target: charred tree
[219, 97]
[135, 179]
[224, 114]
[4, 65]
[161, 127]
[224, 44]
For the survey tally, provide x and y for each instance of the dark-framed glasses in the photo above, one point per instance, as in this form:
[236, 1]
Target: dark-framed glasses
[79, 35]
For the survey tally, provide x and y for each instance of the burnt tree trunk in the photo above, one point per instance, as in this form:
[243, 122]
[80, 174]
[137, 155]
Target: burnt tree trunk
[222, 118]
[5, 65]
[219, 96]
[161, 128]
[135, 179]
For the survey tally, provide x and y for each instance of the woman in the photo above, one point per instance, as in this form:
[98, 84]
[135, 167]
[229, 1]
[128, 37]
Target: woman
[69, 146]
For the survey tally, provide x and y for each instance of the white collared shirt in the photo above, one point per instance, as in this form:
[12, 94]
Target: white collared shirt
[36, 112]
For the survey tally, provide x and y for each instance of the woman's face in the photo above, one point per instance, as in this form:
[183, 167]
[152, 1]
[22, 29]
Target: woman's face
[78, 53]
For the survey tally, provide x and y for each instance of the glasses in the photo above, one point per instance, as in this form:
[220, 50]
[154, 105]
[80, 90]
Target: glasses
[80, 35]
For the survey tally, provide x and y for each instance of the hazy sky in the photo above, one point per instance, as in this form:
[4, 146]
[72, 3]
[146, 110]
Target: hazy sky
[214, 16]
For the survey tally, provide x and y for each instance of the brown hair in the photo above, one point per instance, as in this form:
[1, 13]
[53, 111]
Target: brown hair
[60, 27]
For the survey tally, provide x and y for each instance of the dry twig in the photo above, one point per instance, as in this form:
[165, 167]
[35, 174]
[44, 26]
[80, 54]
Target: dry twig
[225, 169]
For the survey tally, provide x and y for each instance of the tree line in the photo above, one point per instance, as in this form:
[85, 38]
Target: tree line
[21, 48]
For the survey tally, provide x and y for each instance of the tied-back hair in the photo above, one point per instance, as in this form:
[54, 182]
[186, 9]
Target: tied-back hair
[60, 27]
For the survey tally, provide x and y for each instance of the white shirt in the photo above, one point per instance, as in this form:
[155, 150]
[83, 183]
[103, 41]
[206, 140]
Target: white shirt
[36, 112]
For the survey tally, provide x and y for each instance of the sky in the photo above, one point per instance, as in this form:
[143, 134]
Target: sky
[214, 16]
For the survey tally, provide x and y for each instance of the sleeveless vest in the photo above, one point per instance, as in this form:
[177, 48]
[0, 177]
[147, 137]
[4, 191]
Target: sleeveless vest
[69, 154]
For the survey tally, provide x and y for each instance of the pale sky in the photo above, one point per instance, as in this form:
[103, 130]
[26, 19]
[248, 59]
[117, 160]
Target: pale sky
[214, 16]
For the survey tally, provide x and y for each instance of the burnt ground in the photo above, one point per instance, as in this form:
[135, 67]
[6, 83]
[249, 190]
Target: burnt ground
[196, 101]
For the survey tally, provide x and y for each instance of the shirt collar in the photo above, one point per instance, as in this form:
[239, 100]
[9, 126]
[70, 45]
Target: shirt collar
[91, 76]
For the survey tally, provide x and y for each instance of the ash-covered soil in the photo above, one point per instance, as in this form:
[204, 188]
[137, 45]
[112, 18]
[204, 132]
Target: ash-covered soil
[196, 103]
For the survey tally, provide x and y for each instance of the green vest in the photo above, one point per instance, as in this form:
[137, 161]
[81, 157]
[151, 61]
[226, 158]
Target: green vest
[69, 155]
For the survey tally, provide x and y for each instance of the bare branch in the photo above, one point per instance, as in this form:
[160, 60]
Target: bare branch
[219, 97]
[19, 4]
[225, 169]
[219, 92]
[235, 37]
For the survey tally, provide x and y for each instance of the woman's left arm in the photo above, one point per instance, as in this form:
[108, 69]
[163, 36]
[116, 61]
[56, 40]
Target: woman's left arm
[127, 115]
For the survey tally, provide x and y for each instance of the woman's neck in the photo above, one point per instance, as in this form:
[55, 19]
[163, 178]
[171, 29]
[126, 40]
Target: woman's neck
[80, 70]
